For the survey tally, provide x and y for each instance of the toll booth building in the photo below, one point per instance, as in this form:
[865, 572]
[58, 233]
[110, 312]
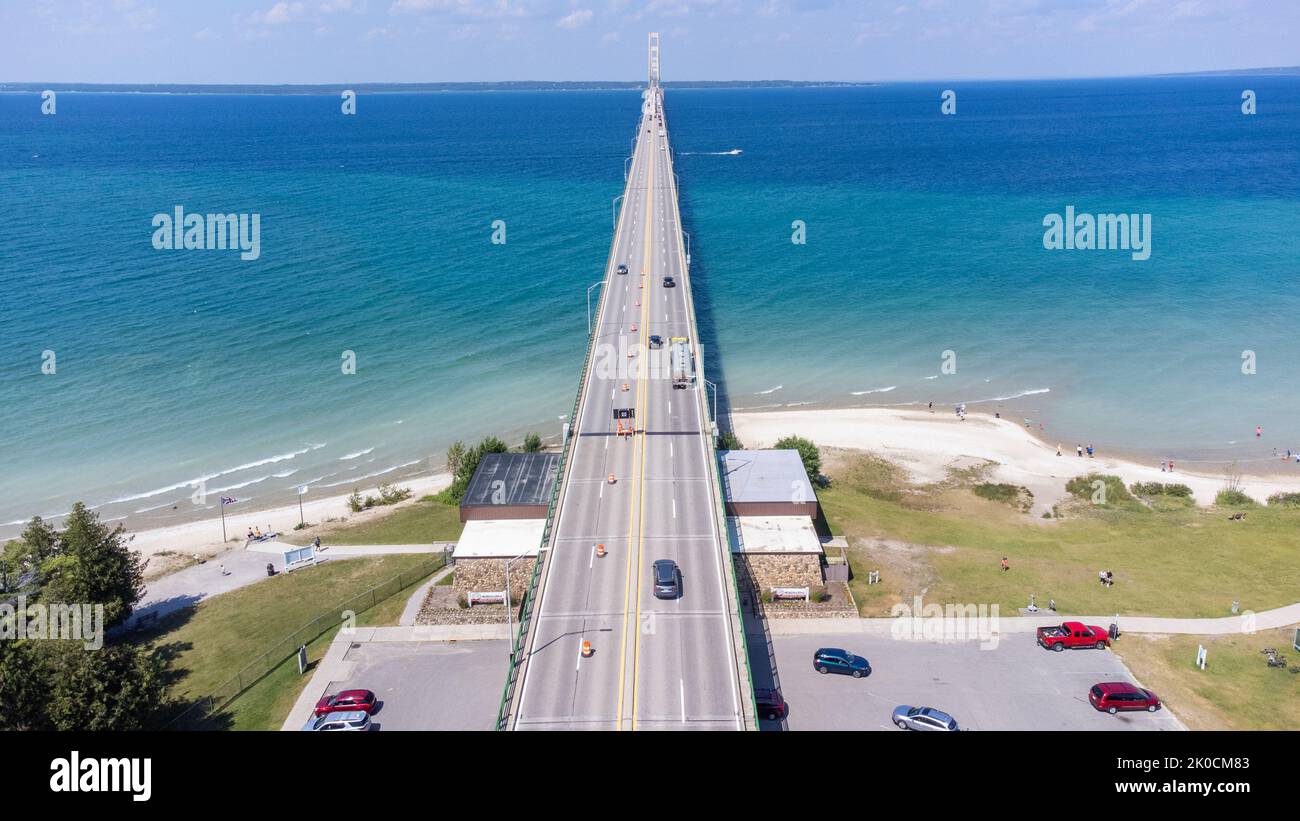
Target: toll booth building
[504, 511]
[771, 509]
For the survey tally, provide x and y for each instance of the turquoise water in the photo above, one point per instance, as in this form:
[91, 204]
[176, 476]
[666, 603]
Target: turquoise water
[924, 235]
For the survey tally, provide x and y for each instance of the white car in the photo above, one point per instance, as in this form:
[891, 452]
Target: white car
[354, 721]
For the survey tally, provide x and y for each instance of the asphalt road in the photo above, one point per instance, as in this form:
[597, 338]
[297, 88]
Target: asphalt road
[656, 664]
[1017, 686]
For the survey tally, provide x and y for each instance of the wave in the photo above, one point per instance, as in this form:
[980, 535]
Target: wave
[355, 479]
[732, 153]
[769, 390]
[239, 485]
[875, 390]
[796, 404]
[155, 507]
[356, 455]
[286, 474]
[1008, 398]
[936, 376]
[209, 476]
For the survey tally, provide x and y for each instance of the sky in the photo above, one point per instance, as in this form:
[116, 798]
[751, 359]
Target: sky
[341, 41]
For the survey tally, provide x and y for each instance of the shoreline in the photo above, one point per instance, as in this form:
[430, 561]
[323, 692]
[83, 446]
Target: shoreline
[204, 535]
[927, 445]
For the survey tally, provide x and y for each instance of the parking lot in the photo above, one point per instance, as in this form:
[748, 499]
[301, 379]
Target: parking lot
[429, 685]
[1017, 686]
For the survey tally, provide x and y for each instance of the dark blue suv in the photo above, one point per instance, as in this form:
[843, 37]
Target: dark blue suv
[834, 660]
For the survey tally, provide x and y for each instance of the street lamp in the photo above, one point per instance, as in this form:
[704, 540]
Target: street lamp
[715, 399]
[688, 249]
[509, 623]
[625, 162]
[589, 290]
[613, 212]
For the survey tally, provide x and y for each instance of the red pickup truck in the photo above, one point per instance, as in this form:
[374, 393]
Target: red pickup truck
[1073, 634]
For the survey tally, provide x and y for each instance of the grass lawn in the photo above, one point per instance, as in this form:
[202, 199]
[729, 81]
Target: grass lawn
[1237, 690]
[943, 540]
[225, 633]
[422, 521]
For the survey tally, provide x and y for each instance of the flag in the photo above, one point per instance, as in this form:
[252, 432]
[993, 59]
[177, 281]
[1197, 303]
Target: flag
[227, 500]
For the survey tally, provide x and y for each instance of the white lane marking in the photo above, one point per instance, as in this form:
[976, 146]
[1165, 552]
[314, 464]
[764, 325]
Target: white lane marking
[682, 687]
[674, 507]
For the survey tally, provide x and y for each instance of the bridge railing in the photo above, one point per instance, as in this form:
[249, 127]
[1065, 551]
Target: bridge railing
[518, 641]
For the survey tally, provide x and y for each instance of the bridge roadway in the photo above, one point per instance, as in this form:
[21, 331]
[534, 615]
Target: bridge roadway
[656, 664]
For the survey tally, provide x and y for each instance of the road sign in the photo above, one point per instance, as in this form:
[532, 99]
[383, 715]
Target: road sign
[624, 413]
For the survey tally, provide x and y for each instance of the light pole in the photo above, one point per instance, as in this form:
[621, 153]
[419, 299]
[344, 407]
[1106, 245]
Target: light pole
[589, 290]
[625, 162]
[715, 399]
[509, 622]
[688, 249]
[613, 212]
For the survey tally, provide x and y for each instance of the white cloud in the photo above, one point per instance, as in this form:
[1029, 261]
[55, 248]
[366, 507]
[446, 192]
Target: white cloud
[577, 19]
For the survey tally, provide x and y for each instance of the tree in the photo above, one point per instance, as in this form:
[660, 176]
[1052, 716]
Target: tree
[114, 688]
[24, 687]
[455, 456]
[533, 443]
[469, 464]
[92, 564]
[728, 441]
[808, 454]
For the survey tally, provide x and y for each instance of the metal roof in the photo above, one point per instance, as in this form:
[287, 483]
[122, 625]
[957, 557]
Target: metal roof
[500, 538]
[512, 479]
[765, 476]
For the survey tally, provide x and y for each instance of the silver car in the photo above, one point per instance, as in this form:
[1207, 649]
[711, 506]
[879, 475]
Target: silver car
[924, 718]
[353, 720]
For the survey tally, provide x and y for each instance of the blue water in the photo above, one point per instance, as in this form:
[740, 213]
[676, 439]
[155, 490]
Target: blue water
[924, 235]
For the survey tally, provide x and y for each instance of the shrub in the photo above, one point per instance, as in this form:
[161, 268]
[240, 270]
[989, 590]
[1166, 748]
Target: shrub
[1160, 489]
[728, 441]
[355, 503]
[808, 454]
[389, 495]
[533, 443]
[1233, 498]
[468, 464]
[1284, 500]
[1085, 488]
[1015, 495]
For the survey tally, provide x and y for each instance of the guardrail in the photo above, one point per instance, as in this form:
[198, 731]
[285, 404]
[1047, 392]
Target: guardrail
[526, 606]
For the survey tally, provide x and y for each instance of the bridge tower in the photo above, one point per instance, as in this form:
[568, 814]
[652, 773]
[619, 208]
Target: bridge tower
[654, 59]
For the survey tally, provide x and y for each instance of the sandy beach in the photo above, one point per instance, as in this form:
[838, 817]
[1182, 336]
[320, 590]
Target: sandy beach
[204, 537]
[929, 444]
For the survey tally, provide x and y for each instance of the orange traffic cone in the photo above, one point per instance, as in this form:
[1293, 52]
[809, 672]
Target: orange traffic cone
[600, 550]
[633, 329]
[611, 479]
[624, 388]
[586, 649]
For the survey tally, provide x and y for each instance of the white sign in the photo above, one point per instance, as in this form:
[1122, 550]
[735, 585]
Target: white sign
[1200, 656]
[780, 593]
[490, 597]
[299, 557]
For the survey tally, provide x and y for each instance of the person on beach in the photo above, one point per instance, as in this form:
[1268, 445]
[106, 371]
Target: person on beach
[257, 533]
[1110, 580]
[931, 407]
[1101, 577]
[1058, 448]
[1006, 565]
[316, 543]
[250, 534]
[1079, 450]
[1090, 452]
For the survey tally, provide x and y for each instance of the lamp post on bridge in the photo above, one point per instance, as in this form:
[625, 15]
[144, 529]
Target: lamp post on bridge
[589, 290]
[509, 628]
[613, 211]
[688, 249]
[715, 399]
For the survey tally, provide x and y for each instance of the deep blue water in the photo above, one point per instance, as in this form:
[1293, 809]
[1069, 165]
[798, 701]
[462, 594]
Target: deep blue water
[924, 235]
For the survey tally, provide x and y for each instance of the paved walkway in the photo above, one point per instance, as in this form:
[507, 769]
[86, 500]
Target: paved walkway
[1245, 623]
[416, 601]
[335, 667]
[188, 587]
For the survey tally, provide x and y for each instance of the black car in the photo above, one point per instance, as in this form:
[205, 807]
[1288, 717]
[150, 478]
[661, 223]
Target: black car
[620, 270]
[656, 341]
[769, 702]
[834, 660]
[669, 282]
[668, 579]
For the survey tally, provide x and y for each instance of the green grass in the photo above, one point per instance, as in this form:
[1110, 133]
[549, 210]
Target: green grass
[1182, 562]
[223, 634]
[1014, 495]
[1237, 690]
[425, 521]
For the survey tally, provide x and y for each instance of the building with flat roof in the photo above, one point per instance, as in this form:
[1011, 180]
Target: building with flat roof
[486, 545]
[510, 486]
[776, 551]
[767, 483]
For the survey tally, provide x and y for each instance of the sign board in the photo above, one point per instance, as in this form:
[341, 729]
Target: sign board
[299, 557]
[1200, 656]
[624, 413]
[302, 659]
[788, 593]
[488, 597]
[1296, 642]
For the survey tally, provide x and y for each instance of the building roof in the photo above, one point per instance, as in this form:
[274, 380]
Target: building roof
[512, 479]
[499, 538]
[773, 534]
[765, 476]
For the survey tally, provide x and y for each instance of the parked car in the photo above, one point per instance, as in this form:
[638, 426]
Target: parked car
[669, 282]
[1113, 696]
[347, 701]
[668, 579]
[1073, 634]
[924, 718]
[350, 721]
[656, 341]
[769, 702]
[620, 270]
[834, 660]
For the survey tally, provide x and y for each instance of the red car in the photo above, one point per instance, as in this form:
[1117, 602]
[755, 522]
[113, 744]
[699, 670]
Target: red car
[1113, 696]
[769, 702]
[1073, 634]
[349, 700]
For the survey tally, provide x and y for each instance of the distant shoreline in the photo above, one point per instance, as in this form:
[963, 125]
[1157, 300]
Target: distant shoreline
[314, 89]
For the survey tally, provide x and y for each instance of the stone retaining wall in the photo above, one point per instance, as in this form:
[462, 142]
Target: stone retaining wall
[489, 575]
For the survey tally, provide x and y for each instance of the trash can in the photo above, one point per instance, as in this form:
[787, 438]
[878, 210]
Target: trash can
[270, 571]
[1114, 631]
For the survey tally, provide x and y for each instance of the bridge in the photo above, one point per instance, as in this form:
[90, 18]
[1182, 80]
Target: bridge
[639, 482]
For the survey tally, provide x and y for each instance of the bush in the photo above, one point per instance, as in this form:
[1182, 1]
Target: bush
[389, 495]
[1284, 500]
[1233, 498]
[533, 443]
[355, 502]
[808, 454]
[1084, 487]
[468, 464]
[728, 441]
[1160, 489]
[1015, 495]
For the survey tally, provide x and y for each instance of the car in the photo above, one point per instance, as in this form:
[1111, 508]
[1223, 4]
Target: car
[834, 660]
[348, 700]
[1114, 696]
[668, 579]
[621, 270]
[669, 282]
[349, 721]
[656, 341]
[1073, 634]
[924, 718]
[769, 702]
